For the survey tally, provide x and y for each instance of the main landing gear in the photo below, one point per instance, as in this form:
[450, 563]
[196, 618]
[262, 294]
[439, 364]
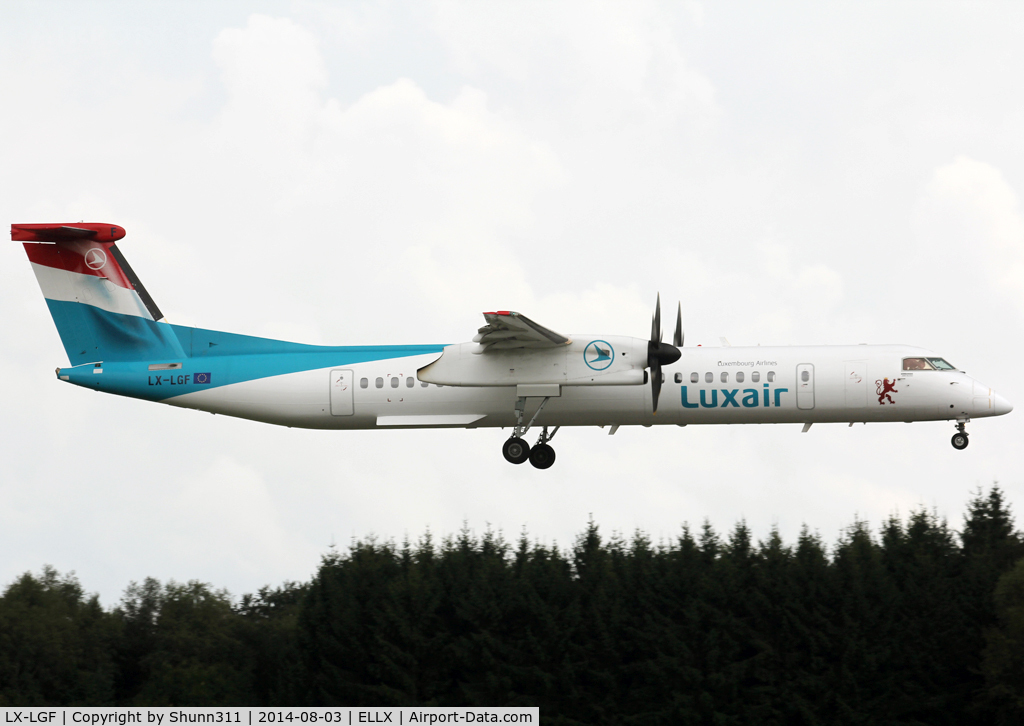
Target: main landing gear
[541, 454]
[960, 439]
[517, 451]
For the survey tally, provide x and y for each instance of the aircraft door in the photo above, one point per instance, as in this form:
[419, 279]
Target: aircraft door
[856, 384]
[805, 386]
[342, 393]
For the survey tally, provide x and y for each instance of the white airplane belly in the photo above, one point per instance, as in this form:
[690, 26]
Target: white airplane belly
[299, 399]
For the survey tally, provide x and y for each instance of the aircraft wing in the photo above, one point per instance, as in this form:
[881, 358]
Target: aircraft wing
[506, 329]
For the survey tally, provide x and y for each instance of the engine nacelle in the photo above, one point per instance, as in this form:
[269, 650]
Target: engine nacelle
[587, 361]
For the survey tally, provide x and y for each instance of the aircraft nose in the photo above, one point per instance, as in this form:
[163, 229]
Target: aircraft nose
[1000, 405]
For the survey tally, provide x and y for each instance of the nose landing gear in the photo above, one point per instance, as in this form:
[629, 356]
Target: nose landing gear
[960, 439]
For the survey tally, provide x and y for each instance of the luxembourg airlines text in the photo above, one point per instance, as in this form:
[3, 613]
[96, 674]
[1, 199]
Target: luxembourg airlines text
[752, 398]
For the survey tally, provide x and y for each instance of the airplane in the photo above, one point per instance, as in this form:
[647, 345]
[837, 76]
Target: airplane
[515, 373]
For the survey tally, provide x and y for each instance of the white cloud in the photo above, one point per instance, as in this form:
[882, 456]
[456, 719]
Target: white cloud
[618, 65]
[227, 514]
[274, 74]
[424, 192]
[970, 209]
[761, 296]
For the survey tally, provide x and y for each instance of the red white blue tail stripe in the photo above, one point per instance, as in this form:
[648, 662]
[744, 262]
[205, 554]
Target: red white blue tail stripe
[118, 341]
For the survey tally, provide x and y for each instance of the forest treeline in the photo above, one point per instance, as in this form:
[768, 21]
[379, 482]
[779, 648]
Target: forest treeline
[914, 623]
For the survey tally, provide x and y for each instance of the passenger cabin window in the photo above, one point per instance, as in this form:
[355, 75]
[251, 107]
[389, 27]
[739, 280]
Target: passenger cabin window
[805, 376]
[695, 377]
[394, 383]
[379, 382]
[423, 384]
[409, 382]
[363, 383]
[725, 376]
[678, 377]
[771, 376]
[739, 376]
[709, 377]
[755, 376]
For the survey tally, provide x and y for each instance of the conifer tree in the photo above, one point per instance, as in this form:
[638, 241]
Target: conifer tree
[910, 625]
[1003, 659]
[56, 644]
[189, 650]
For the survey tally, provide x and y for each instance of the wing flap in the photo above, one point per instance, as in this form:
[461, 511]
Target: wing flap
[506, 330]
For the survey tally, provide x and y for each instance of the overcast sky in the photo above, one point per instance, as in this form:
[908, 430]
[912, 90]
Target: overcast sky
[358, 173]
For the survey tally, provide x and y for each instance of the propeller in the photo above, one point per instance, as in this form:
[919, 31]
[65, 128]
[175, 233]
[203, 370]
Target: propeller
[658, 353]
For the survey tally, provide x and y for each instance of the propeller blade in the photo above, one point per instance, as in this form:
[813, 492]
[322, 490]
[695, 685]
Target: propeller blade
[656, 329]
[677, 339]
[658, 353]
[655, 386]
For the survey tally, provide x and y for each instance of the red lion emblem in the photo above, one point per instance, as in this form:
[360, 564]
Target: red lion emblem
[883, 388]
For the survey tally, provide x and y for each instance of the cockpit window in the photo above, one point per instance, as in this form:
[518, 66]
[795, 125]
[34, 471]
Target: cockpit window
[917, 364]
[926, 364]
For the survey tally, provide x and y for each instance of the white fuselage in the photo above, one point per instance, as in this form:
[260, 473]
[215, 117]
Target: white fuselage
[728, 385]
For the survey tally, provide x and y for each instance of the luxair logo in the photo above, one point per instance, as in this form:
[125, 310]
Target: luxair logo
[598, 355]
[95, 258]
[735, 397]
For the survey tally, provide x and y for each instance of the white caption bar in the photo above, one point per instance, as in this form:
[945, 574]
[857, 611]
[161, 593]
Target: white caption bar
[121, 716]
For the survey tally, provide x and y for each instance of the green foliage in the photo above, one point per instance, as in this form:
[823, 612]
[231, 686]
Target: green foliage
[267, 626]
[1003, 661]
[186, 645]
[56, 644]
[914, 623]
[705, 629]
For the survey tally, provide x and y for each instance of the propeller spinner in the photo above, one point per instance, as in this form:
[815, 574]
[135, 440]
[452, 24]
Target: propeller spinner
[658, 353]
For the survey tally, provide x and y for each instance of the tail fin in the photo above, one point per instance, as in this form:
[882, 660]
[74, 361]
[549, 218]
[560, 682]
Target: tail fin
[101, 309]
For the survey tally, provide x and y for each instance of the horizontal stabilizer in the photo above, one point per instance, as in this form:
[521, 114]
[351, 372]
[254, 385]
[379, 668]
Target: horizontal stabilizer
[95, 231]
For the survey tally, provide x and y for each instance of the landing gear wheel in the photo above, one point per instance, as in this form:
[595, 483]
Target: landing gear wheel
[960, 441]
[516, 451]
[542, 456]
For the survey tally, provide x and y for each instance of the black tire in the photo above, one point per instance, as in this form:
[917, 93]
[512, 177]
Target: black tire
[542, 456]
[960, 441]
[515, 450]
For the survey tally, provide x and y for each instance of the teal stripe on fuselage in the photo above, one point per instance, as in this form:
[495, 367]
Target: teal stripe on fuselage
[136, 380]
[202, 343]
[227, 357]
